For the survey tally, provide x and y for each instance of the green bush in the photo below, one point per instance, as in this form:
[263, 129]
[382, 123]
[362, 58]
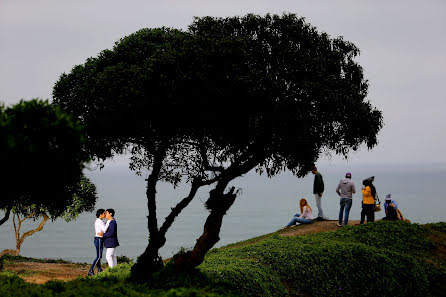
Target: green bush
[10, 258]
[120, 271]
[380, 259]
[124, 259]
[11, 286]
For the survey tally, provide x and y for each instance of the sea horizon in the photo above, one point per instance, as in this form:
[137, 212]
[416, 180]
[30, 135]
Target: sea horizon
[264, 206]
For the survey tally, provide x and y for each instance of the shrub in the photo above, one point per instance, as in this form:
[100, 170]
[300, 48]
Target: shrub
[384, 258]
[124, 259]
[120, 271]
[11, 286]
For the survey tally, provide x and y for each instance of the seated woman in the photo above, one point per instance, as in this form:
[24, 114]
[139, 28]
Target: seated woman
[391, 213]
[390, 208]
[305, 216]
[389, 201]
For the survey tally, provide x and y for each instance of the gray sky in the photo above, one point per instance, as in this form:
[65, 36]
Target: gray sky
[403, 52]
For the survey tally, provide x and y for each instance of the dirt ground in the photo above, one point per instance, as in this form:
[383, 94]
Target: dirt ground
[40, 273]
[317, 226]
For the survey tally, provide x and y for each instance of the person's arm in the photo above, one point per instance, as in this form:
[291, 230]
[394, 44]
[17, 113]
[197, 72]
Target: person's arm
[322, 185]
[319, 184]
[103, 227]
[338, 188]
[111, 229]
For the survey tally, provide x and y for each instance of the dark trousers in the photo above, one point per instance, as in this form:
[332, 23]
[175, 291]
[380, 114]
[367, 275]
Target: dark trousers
[99, 244]
[367, 210]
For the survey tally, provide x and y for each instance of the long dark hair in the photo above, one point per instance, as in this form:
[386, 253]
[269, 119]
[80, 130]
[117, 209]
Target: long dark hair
[99, 212]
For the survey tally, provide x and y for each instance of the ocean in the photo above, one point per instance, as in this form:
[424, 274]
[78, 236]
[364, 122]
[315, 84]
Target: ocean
[264, 205]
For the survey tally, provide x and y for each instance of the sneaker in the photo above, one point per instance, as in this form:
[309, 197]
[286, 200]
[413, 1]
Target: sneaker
[319, 219]
[90, 273]
[99, 270]
[339, 225]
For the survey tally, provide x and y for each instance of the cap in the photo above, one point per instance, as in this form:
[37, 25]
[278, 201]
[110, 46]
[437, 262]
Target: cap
[348, 174]
[388, 197]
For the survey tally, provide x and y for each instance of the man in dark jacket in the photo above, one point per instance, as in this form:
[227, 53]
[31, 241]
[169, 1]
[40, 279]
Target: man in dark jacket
[111, 238]
[318, 190]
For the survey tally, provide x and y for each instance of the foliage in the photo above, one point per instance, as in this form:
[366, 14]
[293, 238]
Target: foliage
[228, 84]
[124, 259]
[120, 271]
[209, 104]
[440, 227]
[42, 156]
[384, 258]
[11, 258]
[11, 285]
[83, 200]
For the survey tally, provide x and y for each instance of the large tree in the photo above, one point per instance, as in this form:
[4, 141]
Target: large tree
[41, 155]
[212, 103]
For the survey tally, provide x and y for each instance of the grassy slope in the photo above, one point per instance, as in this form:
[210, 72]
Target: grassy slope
[384, 258]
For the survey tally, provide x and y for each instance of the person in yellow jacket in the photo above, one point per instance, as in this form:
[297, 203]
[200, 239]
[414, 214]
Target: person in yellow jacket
[368, 201]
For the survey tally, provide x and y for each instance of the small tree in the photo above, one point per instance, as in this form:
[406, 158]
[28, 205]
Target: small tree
[210, 104]
[83, 201]
[42, 157]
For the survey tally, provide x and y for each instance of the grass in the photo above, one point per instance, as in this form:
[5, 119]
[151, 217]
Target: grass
[379, 259]
[9, 259]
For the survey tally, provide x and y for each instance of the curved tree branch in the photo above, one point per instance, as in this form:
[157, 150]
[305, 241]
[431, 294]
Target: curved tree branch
[16, 229]
[31, 232]
[196, 184]
[6, 217]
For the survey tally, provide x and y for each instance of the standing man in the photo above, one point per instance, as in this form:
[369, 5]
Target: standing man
[111, 238]
[99, 228]
[318, 190]
[345, 190]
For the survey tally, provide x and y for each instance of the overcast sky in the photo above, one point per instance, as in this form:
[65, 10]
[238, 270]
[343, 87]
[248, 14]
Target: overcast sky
[402, 43]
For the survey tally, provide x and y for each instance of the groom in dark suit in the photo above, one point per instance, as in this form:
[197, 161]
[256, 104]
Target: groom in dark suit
[111, 237]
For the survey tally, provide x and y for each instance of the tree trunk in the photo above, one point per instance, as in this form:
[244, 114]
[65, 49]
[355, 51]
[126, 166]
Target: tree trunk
[150, 261]
[20, 239]
[220, 203]
[151, 254]
[8, 252]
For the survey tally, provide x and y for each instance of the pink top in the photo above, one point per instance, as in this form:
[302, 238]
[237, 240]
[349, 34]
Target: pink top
[306, 213]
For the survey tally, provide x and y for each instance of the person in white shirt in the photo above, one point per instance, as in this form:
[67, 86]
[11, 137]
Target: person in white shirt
[305, 216]
[111, 238]
[99, 229]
